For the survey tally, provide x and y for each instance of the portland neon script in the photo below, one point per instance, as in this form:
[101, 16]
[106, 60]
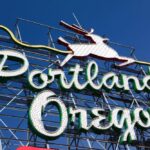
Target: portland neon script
[108, 81]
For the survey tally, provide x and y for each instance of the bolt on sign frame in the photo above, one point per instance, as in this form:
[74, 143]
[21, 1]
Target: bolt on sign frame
[16, 97]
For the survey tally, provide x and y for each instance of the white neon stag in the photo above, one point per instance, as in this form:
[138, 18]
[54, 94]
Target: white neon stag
[97, 47]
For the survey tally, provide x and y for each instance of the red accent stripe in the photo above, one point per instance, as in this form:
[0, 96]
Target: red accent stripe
[31, 148]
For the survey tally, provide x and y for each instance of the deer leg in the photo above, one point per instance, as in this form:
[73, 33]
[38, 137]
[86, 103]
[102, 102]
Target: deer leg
[67, 58]
[127, 62]
[63, 42]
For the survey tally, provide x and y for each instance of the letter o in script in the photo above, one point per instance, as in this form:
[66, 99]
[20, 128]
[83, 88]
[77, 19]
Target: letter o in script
[36, 110]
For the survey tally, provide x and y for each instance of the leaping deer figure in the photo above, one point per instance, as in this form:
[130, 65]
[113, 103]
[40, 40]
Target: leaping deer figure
[98, 47]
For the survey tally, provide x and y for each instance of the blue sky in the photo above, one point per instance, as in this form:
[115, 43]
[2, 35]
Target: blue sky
[127, 22]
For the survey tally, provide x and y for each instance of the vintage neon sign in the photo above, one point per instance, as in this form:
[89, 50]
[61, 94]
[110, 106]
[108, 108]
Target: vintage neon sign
[120, 118]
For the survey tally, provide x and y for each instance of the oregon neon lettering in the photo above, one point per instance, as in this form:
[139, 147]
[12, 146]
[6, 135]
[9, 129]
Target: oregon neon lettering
[128, 120]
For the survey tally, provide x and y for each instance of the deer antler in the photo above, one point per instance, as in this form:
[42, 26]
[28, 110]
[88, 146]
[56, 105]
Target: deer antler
[74, 28]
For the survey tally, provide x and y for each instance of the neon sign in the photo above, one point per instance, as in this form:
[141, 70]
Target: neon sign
[123, 119]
